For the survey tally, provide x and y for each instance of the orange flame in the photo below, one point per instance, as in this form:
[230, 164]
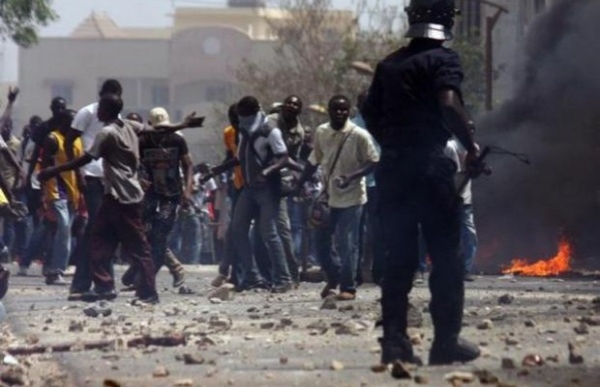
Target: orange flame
[559, 264]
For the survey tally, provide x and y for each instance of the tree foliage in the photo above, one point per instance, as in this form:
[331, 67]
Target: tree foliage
[315, 48]
[20, 19]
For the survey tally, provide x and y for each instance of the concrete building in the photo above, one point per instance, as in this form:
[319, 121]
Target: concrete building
[190, 66]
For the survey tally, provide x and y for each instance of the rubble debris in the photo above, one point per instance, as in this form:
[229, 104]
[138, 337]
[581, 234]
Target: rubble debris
[457, 378]
[486, 377]
[591, 321]
[286, 322]
[336, 365]
[511, 341]
[283, 360]
[267, 325]
[532, 360]
[10, 360]
[111, 383]
[400, 371]
[329, 303]
[220, 323]
[98, 309]
[184, 383]
[506, 299]
[530, 323]
[508, 363]
[379, 368]
[76, 326]
[185, 290]
[414, 317]
[421, 379]
[485, 325]
[160, 372]
[159, 341]
[223, 293]
[581, 329]
[348, 328]
[346, 308]
[39, 349]
[193, 359]
[552, 358]
[574, 356]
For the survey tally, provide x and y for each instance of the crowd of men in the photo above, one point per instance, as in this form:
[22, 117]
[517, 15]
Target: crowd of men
[94, 180]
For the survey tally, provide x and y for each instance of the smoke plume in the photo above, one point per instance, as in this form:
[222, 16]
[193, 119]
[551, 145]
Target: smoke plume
[554, 117]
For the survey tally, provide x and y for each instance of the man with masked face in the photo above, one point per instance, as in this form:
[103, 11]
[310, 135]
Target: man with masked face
[262, 153]
[413, 107]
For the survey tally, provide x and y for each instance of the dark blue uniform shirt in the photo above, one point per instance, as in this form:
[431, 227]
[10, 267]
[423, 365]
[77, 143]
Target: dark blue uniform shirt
[402, 109]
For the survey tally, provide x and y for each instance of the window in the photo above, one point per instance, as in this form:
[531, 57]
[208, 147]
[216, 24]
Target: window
[160, 95]
[62, 89]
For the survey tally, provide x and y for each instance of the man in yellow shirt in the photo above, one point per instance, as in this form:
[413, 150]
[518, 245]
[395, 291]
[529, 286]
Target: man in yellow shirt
[61, 196]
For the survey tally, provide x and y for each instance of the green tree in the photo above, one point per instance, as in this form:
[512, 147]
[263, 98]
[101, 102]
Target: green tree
[20, 19]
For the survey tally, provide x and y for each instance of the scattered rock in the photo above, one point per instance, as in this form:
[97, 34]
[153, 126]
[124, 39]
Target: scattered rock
[511, 341]
[530, 323]
[193, 359]
[329, 304]
[379, 368]
[186, 290]
[508, 363]
[591, 321]
[308, 366]
[286, 322]
[552, 358]
[421, 379]
[532, 361]
[283, 360]
[224, 293]
[486, 377]
[215, 301]
[10, 360]
[13, 376]
[111, 383]
[346, 308]
[76, 326]
[415, 317]
[183, 383]
[485, 325]
[160, 372]
[347, 329]
[336, 365]
[506, 299]
[267, 325]
[581, 329]
[320, 326]
[416, 339]
[574, 356]
[457, 378]
[99, 309]
[400, 371]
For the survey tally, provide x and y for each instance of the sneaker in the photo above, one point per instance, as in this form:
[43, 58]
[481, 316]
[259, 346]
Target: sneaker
[346, 296]
[419, 278]
[23, 272]
[328, 291]
[142, 301]
[282, 288]
[254, 286]
[462, 351]
[74, 296]
[399, 350]
[95, 295]
[4, 276]
[56, 279]
[178, 279]
[219, 281]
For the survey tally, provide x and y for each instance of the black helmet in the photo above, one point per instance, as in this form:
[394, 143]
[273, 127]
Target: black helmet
[431, 19]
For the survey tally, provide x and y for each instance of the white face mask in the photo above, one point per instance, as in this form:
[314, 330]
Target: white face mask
[249, 123]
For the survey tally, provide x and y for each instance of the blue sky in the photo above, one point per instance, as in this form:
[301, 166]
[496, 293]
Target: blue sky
[132, 13]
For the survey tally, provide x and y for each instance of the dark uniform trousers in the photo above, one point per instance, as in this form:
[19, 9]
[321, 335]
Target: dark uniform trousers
[416, 187]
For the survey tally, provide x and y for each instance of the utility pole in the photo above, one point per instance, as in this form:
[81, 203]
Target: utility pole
[490, 23]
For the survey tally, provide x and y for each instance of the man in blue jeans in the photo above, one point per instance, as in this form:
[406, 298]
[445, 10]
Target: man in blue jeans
[261, 154]
[347, 154]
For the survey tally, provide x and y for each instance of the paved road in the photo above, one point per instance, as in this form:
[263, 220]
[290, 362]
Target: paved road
[286, 340]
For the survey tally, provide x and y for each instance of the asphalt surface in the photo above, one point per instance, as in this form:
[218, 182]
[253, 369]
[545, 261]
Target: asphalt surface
[259, 339]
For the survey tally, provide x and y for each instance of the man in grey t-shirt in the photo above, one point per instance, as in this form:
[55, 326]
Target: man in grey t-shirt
[120, 216]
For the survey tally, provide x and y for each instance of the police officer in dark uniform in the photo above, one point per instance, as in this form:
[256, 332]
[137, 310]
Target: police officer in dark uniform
[413, 108]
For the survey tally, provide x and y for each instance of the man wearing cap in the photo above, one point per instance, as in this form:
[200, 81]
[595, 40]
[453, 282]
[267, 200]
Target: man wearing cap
[163, 157]
[416, 180]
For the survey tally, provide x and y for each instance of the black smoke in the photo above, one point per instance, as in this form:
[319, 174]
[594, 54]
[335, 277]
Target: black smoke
[554, 117]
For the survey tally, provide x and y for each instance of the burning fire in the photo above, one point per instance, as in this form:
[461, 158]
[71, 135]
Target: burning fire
[554, 266]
